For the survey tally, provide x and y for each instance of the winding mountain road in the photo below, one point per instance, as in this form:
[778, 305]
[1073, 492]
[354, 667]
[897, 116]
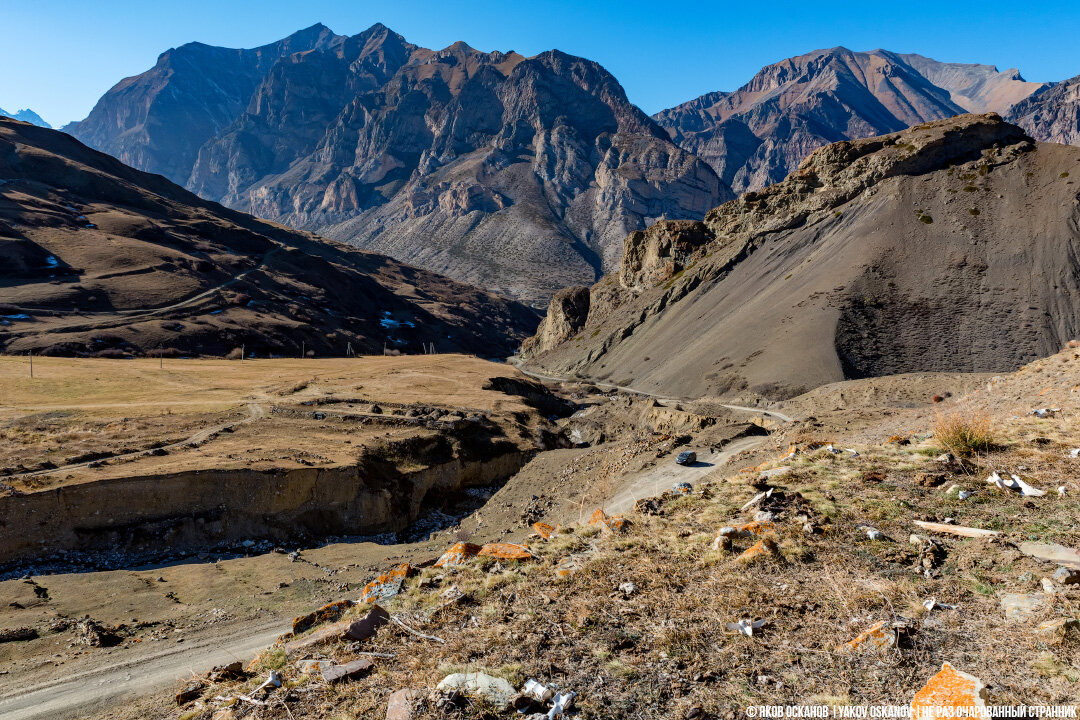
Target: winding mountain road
[75, 696]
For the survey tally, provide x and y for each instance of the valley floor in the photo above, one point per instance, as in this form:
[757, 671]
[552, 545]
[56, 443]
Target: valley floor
[634, 617]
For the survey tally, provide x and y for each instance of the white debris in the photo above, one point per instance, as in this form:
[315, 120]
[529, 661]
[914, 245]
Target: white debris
[746, 626]
[1075, 452]
[830, 448]
[1045, 412]
[1061, 490]
[933, 603]
[536, 691]
[875, 534]
[1025, 489]
[274, 681]
[1014, 483]
[628, 588]
[854, 453]
[997, 481]
[561, 704]
[964, 494]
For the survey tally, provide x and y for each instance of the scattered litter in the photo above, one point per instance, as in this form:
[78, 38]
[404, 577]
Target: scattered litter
[932, 603]
[561, 704]
[628, 588]
[536, 691]
[1075, 452]
[1061, 490]
[964, 494]
[746, 626]
[1015, 484]
[273, 681]
[1045, 412]
[875, 534]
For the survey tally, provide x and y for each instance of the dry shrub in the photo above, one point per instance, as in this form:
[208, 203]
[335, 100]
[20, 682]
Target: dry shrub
[964, 432]
[235, 354]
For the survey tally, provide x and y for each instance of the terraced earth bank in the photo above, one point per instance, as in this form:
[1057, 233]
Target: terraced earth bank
[184, 456]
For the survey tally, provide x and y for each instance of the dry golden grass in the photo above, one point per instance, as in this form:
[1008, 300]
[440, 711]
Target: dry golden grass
[964, 432]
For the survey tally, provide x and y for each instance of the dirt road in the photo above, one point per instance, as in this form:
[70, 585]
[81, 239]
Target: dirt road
[79, 695]
[608, 386]
[666, 473]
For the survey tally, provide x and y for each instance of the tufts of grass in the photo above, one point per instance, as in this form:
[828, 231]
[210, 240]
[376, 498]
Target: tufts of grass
[964, 432]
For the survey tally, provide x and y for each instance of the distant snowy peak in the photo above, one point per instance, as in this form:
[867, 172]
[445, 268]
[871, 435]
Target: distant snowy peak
[26, 115]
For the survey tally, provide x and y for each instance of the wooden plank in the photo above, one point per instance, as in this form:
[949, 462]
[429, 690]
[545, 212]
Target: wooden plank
[956, 529]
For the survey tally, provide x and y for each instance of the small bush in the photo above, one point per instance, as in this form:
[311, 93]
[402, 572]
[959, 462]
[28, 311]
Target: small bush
[964, 432]
[235, 354]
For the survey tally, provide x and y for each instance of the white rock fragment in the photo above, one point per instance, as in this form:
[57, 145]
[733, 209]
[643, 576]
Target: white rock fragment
[746, 626]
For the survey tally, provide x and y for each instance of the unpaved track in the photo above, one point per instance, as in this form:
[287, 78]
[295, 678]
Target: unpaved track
[84, 693]
[666, 473]
[742, 408]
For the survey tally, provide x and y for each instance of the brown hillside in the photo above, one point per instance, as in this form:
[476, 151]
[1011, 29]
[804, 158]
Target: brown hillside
[951, 246]
[102, 259]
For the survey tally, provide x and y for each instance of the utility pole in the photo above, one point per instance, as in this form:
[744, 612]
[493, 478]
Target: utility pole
[349, 351]
[31, 363]
[242, 347]
[160, 357]
[303, 349]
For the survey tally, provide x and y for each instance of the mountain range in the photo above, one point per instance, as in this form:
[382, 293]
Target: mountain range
[758, 134]
[26, 115]
[519, 175]
[104, 260]
[950, 246]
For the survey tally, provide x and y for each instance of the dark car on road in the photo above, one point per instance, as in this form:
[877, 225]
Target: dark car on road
[687, 457]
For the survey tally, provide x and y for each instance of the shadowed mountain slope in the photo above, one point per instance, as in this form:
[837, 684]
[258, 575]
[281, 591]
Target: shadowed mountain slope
[951, 246]
[101, 259]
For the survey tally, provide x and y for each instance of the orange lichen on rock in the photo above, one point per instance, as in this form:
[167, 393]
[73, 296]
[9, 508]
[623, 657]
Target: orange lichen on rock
[505, 551]
[326, 613]
[459, 554]
[765, 547]
[876, 637]
[566, 568]
[614, 523]
[386, 585]
[544, 530]
[946, 692]
[756, 527]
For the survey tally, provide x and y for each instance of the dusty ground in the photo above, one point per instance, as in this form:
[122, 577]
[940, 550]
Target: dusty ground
[87, 408]
[663, 649]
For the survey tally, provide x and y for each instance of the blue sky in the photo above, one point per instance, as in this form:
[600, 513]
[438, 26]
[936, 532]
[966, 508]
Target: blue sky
[58, 56]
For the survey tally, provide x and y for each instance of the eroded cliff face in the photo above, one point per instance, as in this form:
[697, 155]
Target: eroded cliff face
[891, 254]
[521, 175]
[199, 510]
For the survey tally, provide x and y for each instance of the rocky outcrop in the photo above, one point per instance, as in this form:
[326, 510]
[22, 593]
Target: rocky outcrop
[566, 314]
[879, 256]
[520, 175]
[1052, 114]
[758, 134]
[661, 252]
